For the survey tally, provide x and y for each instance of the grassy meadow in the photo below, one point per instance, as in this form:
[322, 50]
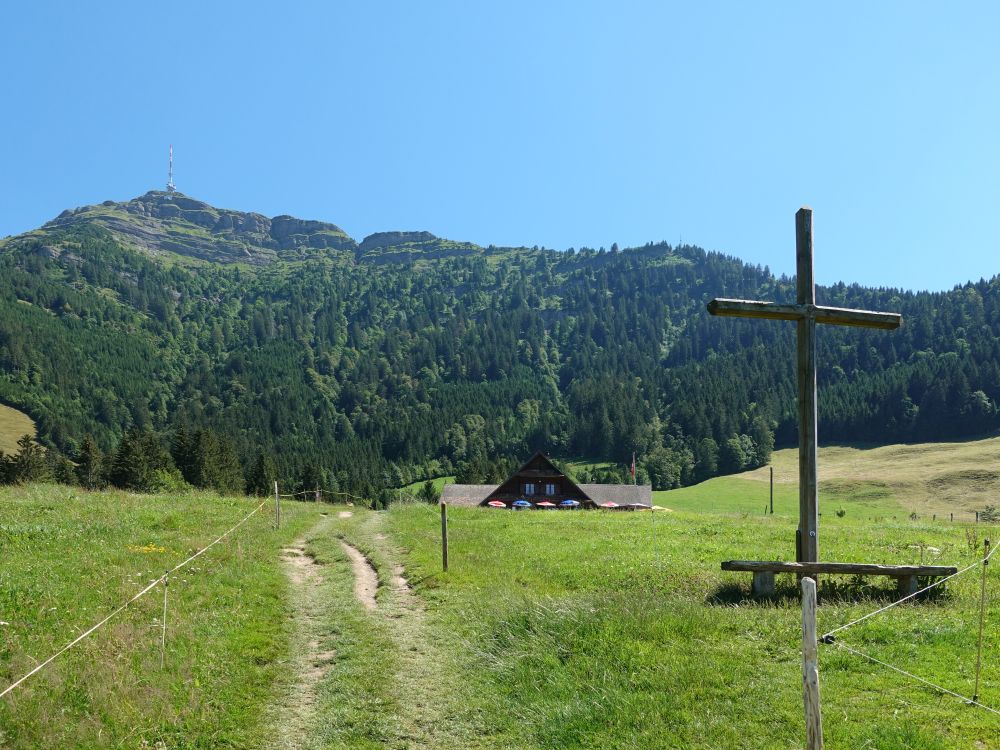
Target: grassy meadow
[550, 630]
[13, 426]
[929, 479]
[588, 630]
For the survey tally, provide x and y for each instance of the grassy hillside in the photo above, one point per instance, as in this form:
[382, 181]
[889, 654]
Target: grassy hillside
[927, 479]
[71, 557]
[13, 424]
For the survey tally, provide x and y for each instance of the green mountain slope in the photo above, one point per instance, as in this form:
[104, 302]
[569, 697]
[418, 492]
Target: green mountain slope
[379, 363]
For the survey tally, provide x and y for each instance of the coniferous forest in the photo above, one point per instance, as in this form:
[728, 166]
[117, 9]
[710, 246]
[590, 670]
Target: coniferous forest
[362, 367]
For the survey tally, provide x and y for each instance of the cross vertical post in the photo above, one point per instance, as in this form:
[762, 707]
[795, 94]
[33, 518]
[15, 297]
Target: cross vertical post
[808, 438]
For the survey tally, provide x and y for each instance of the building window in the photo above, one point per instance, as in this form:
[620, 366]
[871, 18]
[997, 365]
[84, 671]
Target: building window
[550, 489]
[529, 488]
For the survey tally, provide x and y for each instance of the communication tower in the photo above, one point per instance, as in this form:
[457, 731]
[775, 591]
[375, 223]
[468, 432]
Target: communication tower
[170, 171]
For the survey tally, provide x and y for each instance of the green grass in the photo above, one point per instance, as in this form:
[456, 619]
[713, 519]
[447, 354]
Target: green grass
[619, 630]
[71, 557]
[575, 466]
[13, 425]
[439, 482]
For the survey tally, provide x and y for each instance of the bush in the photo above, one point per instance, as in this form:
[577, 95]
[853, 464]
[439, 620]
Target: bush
[990, 514]
[168, 480]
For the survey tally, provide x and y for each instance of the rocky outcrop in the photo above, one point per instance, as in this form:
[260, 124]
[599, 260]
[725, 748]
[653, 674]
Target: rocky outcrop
[173, 222]
[392, 239]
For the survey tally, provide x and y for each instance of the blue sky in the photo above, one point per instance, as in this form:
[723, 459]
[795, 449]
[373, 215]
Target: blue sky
[557, 124]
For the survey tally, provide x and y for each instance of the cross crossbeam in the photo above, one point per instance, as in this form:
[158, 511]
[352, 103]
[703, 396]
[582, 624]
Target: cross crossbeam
[742, 308]
[807, 314]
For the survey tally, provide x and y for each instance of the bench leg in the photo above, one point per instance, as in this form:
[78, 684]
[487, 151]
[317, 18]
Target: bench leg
[763, 584]
[906, 585]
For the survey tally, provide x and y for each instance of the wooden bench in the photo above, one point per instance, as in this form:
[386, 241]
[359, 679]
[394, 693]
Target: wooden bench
[905, 575]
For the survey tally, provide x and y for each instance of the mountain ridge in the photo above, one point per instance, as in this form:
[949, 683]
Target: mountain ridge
[159, 222]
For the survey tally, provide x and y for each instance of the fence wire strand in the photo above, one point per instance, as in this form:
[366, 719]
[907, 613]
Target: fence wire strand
[125, 606]
[906, 598]
[912, 676]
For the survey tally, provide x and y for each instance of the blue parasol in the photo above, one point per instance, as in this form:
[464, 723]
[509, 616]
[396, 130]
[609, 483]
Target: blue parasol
[521, 504]
[568, 504]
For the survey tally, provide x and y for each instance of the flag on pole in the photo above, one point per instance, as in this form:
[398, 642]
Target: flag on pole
[633, 467]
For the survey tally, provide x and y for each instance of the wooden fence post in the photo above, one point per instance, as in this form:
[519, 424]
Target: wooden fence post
[772, 490]
[810, 667]
[277, 507]
[982, 615]
[444, 536]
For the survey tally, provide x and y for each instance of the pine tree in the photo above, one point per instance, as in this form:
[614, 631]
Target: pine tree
[260, 479]
[428, 492]
[30, 464]
[138, 459]
[90, 464]
[182, 450]
[309, 478]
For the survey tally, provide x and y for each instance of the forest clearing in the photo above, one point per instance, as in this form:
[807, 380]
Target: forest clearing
[549, 630]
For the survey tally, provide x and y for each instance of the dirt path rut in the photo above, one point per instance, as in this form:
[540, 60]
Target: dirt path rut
[365, 577]
[421, 679]
[311, 658]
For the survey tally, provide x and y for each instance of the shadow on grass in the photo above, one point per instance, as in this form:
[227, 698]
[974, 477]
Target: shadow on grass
[853, 590]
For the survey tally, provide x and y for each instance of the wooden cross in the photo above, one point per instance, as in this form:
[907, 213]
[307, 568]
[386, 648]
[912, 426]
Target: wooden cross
[807, 314]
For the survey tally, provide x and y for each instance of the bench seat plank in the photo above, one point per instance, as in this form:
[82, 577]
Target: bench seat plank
[804, 568]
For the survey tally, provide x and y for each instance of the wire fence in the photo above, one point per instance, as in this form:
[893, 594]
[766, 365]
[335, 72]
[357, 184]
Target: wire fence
[318, 495]
[152, 585]
[830, 637]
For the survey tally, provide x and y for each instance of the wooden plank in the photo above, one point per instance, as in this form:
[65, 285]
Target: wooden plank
[864, 318]
[810, 668]
[746, 308]
[808, 441]
[802, 568]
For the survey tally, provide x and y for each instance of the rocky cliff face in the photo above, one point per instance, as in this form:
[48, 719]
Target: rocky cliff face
[172, 222]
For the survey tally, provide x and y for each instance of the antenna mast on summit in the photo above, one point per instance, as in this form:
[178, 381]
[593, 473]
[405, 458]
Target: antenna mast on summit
[170, 171]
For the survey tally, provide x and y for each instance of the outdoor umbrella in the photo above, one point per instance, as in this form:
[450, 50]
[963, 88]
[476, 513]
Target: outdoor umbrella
[545, 504]
[609, 504]
[497, 504]
[568, 504]
[521, 504]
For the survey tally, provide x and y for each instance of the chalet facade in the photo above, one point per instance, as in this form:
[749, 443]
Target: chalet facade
[542, 484]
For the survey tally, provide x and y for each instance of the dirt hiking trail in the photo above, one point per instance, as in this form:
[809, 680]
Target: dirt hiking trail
[311, 660]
